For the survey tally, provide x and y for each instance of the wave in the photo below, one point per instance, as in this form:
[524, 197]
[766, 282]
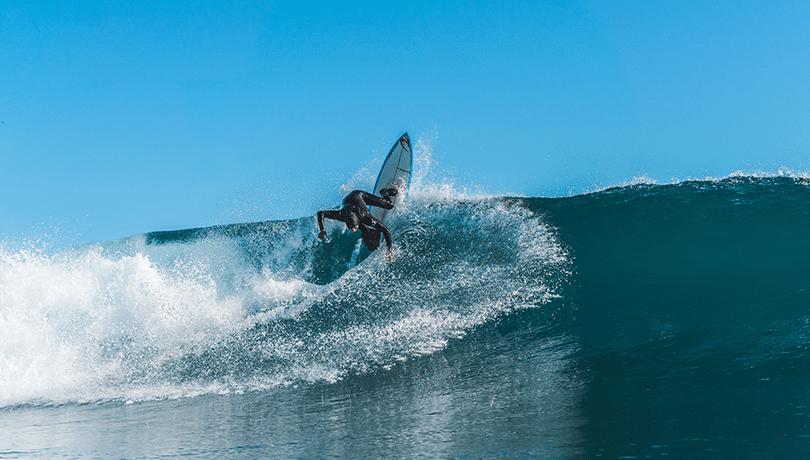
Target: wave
[254, 306]
[720, 264]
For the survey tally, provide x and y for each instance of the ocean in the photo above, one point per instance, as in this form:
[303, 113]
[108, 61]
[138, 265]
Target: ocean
[639, 321]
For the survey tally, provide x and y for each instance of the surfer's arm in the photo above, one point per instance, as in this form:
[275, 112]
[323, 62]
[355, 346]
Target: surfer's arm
[386, 234]
[389, 255]
[330, 214]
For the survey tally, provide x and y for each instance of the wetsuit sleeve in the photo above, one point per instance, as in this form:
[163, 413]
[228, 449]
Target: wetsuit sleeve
[329, 214]
[374, 200]
[386, 233]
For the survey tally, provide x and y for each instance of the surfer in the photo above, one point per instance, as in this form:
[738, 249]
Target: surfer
[356, 216]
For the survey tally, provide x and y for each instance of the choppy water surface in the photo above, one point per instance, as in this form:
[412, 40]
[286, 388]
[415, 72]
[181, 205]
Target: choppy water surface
[639, 321]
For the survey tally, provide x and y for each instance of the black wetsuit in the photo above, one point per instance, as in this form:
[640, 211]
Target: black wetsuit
[355, 211]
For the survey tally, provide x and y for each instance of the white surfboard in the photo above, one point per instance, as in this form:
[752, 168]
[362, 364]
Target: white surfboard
[395, 172]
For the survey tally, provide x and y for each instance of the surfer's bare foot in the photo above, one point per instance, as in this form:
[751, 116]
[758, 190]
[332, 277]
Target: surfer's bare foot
[389, 256]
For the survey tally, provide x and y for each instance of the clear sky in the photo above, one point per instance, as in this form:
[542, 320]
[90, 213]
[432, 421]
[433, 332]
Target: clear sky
[125, 117]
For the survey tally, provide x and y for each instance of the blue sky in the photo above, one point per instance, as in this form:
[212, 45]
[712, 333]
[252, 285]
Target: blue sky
[125, 117]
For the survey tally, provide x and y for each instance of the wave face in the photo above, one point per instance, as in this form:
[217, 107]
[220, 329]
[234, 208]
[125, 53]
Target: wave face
[679, 307]
[254, 306]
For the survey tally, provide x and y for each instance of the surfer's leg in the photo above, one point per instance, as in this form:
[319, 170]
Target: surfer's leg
[354, 198]
[374, 200]
[389, 192]
[358, 199]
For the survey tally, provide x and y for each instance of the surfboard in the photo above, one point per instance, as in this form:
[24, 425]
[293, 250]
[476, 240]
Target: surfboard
[395, 172]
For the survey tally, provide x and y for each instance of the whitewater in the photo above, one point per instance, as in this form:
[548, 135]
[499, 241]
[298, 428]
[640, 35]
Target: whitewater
[639, 321]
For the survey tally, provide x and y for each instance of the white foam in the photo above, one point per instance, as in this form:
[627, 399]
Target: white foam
[115, 321]
[79, 326]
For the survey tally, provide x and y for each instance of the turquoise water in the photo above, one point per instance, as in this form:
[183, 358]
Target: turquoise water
[644, 321]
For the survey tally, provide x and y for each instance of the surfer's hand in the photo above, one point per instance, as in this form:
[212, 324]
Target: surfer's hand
[322, 235]
[389, 255]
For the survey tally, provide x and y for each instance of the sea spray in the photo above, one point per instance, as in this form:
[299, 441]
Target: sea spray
[253, 306]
